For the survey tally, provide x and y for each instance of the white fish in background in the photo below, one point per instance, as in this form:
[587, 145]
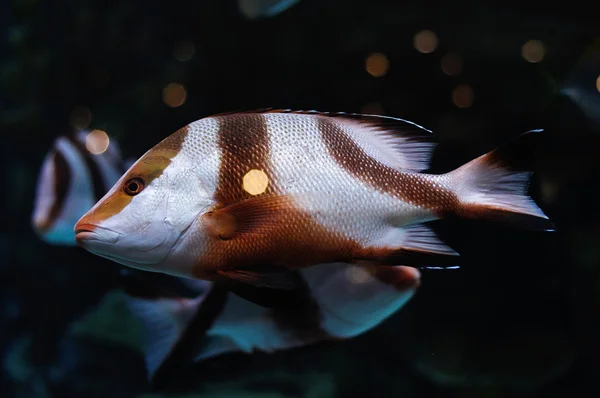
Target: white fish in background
[70, 181]
[248, 198]
[339, 302]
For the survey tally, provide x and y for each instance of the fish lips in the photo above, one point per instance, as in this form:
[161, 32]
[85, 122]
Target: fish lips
[118, 247]
[86, 234]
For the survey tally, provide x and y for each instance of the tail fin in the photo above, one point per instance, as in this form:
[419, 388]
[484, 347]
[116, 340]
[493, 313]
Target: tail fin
[487, 188]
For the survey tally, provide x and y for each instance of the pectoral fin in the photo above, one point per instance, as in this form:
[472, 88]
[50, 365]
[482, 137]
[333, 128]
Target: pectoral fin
[257, 215]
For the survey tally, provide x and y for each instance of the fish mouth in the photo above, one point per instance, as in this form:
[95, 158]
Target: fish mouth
[92, 233]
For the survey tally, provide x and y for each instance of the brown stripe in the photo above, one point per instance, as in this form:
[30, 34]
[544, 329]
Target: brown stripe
[62, 180]
[171, 145]
[244, 143]
[417, 189]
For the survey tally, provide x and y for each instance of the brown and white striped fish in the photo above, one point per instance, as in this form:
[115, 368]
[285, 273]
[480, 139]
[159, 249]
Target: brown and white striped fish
[340, 302]
[70, 181]
[248, 197]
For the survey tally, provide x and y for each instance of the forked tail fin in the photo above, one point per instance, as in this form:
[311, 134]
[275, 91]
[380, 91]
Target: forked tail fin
[487, 188]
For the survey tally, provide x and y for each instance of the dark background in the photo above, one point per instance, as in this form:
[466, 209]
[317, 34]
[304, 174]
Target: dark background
[520, 318]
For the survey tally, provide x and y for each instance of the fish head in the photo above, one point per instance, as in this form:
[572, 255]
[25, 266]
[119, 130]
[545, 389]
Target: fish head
[152, 206]
[64, 192]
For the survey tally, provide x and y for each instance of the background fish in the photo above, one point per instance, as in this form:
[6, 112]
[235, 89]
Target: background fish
[246, 197]
[70, 181]
[341, 301]
[253, 9]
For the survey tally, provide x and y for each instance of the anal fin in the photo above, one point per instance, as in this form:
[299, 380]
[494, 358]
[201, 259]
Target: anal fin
[417, 238]
[414, 246]
[421, 238]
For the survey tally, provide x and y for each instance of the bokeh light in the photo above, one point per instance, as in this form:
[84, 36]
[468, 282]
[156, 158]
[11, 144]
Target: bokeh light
[533, 51]
[80, 117]
[97, 142]
[598, 84]
[425, 41]
[174, 95]
[377, 64]
[372, 108]
[452, 64]
[463, 96]
[255, 182]
[184, 50]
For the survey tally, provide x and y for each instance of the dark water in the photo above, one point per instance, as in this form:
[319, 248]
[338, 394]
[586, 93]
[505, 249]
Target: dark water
[521, 318]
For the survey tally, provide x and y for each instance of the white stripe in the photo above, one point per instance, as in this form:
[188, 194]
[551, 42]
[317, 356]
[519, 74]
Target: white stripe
[200, 152]
[336, 199]
[80, 194]
[46, 190]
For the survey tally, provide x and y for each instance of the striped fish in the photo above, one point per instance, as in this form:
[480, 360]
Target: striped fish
[70, 181]
[340, 302]
[247, 198]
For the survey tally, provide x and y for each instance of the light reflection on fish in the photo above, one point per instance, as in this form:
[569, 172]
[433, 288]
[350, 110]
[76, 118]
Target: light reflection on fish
[71, 180]
[326, 188]
[339, 301]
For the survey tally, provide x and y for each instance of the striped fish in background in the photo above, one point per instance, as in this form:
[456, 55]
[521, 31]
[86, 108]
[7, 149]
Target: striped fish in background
[247, 198]
[70, 181]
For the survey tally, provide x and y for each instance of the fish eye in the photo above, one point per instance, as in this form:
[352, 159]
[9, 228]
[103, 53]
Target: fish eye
[133, 186]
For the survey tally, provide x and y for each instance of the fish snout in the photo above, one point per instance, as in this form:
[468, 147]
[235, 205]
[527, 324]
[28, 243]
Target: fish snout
[93, 233]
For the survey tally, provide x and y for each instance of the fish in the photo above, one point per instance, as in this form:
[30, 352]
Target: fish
[341, 302]
[254, 9]
[247, 198]
[582, 84]
[71, 179]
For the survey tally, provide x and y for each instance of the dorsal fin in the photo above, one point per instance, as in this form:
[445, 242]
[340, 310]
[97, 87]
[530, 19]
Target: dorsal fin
[240, 112]
[402, 144]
